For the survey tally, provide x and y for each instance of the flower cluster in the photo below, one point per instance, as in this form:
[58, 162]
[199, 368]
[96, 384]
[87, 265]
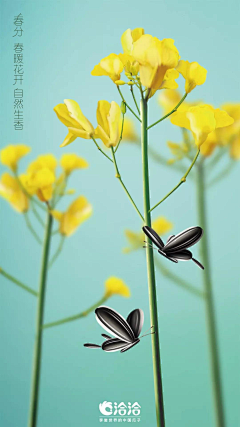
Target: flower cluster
[40, 183]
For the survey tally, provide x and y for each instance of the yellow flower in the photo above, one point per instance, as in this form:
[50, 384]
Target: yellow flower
[179, 151]
[129, 132]
[11, 154]
[71, 116]
[155, 57]
[168, 82]
[44, 161]
[201, 120]
[109, 123]
[231, 135]
[136, 240]
[129, 37]
[116, 286]
[11, 190]
[70, 162]
[110, 66]
[193, 73]
[40, 182]
[78, 212]
[208, 147]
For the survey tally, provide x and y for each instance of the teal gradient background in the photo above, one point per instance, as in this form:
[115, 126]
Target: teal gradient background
[62, 42]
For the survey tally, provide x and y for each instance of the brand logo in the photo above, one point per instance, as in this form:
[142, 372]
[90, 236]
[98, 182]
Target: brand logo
[114, 412]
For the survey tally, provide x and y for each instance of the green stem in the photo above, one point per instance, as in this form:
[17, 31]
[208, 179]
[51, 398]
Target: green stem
[77, 316]
[17, 282]
[127, 104]
[134, 99]
[169, 114]
[182, 180]
[58, 251]
[95, 142]
[120, 139]
[210, 311]
[157, 375]
[32, 422]
[120, 180]
[178, 281]
[30, 227]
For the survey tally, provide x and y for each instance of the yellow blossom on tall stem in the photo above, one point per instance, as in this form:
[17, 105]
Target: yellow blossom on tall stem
[78, 212]
[44, 161]
[40, 182]
[193, 73]
[70, 162]
[10, 189]
[201, 120]
[109, 122]
[110, 66]
[116, 286]
[11, 155]
[70, 114]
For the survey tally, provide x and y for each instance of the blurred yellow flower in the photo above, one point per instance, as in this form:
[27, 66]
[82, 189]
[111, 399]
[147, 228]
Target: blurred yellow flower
[11, 190]
[168, 100]
[193, 73]
[78, 212]
[179, 151]
[231, 135]
[71, 116]
[11, 155]
[110, 66]
[208, 147]
[116, 286]
[109, 123]
[44, 161]
[136, 240]
[155, 57]
[70, 162]
[201, 120]
[129, 132]
[40, 182]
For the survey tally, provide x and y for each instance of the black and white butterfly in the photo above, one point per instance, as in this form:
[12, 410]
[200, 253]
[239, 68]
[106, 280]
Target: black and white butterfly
[126, 332]
[176, 246]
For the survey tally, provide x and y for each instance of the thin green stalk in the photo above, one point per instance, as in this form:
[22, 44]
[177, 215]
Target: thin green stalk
[32, 422]
[30, 227]
[178, 280]
[169, 114]
[95, 142]
[121, 134]
[134, 99]
[35, 212]
[120, 180]
[77, 316]
[157, 375]
[58, 251]
[128, 105]
[210, 311]
[182, 180]
[18, 283]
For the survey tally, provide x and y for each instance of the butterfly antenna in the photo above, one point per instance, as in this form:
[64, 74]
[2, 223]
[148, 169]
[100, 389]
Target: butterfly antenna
[147, 330]
[198, 263]
[151, 247]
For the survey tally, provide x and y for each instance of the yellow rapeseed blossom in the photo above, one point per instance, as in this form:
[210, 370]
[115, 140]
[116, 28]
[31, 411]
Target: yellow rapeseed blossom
[231, 134]
[136, 239]
[11, 190]
[11, 155]
[155, 58]
[40, 182]
[71, 162]
[208, 147]
[44, 161]
[116, 286]
[109, 123]
[193, 73]
[78, 212]
[179, 151]
[201, 120]
[110, 66]
[129, 37]
[71, 116]
[129, 132]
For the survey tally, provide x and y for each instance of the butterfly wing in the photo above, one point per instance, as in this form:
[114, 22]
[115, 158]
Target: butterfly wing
[114, 323]
[107, 337]
[92, 345]
[135, 319]
[114, 344]
[153, 236]
[127, 347]
[183, 240]
[183, 255]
